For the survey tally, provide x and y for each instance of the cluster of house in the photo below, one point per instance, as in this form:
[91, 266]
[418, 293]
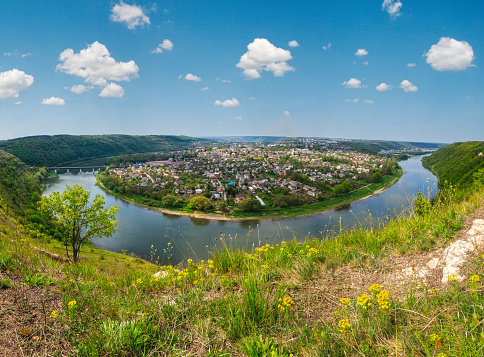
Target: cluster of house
[248, 168]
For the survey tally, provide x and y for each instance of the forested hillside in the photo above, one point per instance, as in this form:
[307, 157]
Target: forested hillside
[457, 163]
[19, 185]
[63, 149]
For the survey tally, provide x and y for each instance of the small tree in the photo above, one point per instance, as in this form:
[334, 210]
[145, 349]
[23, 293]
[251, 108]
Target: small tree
[376, 177]
[250, 204]
[200, 203]
[79, 219]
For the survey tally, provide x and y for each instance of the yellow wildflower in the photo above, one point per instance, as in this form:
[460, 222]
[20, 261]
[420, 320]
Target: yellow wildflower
[189, 261]
[344, 325]
[71, 304]
[474, 279]
[265, 266]
[364, 301]
[383, 299]
[375, 288]
[286, 303]
[344, 302]
[452, 278]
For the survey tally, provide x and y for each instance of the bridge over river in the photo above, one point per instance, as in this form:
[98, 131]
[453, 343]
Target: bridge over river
[79, 169]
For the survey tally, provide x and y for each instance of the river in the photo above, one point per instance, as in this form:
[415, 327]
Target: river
[141, 228]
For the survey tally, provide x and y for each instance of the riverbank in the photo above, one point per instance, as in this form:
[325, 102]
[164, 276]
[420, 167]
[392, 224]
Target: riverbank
[342, 201]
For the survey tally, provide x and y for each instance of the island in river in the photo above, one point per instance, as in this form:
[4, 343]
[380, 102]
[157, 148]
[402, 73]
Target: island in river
[252, 181]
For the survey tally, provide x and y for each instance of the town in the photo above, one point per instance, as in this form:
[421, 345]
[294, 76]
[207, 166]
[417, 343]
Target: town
[279, 174]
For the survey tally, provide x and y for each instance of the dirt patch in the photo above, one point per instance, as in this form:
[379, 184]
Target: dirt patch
[321, 297]
[26, 328]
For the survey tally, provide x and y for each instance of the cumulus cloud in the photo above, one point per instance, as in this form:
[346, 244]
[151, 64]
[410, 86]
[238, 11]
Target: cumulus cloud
[352, 83]
[165, 45]
[192, 77]
[383, 87]
[228, 103]
[96, 65]
[408, 86]
[411, 65]
[131, 15]
[205, 88]
[356, 100]
[53, 101]
[365, 63]
[450, 55]
[236, 118]
[361, 52]
[327, 47]
[264, 56]
[392, 7]
[78, 89]
[13, 81]
[293, 43]
[17, 103]
[16, 54]
[369, 101]
[112, 90]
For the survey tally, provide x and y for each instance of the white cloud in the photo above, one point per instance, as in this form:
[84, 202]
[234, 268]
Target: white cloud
[228, 103]
[264, 56]
[356, 100]
[365, 63]
[369, 101]
[411, 65]
[13, 81]
[361, 52]
[383, 87]
[16, 54]
[192, 77]
[408, 86]
[78, 89]
[225, 81]
[392, 7]
[112, 90]
[327, 47]
[251, 98]
[53, 101]
[347, 100]
[293, 43]
[450, 55]
[17, 103]
[205, 88]
[131, 15]
[165, 45]
[352, 83]
[236, 118]
[96, 65]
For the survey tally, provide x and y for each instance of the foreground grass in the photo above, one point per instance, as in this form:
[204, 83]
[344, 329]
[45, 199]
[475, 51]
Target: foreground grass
[261, 302]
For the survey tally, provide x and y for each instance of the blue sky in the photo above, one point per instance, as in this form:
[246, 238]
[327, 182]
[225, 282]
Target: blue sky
[386, 69]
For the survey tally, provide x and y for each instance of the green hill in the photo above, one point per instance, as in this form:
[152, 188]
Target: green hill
[457, 163]
[63, 149]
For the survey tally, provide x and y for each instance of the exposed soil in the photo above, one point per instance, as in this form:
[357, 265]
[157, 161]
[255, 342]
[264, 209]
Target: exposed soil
[25, 326]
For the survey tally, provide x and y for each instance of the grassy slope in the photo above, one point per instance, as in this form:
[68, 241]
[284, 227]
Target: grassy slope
[61, 149]
[267, 302]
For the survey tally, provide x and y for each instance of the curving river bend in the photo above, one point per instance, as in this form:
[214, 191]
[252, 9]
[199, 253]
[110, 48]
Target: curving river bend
[140, 228]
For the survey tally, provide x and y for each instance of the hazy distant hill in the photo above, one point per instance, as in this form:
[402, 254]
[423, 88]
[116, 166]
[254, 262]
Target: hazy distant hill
[61, 149]
[457, 163]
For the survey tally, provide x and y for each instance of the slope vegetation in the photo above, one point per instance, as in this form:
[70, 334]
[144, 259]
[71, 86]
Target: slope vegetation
[63, 149]
[457, 163]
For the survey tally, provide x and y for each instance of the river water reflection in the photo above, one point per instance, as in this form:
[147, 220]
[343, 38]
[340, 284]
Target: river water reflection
[140, 228]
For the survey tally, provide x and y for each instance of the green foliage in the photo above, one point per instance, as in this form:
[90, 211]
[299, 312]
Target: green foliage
[343, 188]
[259, 346]
[422, 204]
[376, 177]
[200, 203]
[457, 163]
[37, 280]
[170, 201]
[80, 220]
[58, 149]
[250, 204]
[5, 283]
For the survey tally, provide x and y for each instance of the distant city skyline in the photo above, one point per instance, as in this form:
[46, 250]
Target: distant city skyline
[384, 70]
